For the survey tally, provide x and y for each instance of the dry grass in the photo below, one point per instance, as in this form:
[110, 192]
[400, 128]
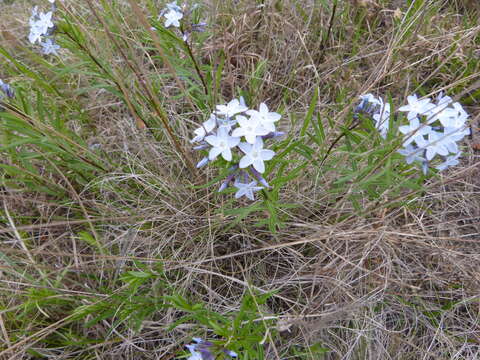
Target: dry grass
[397, 283]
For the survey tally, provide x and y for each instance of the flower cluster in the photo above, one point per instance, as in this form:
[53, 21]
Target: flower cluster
[202, 350]
[434, 127]
[222, 134]
[41, 25]
[174, 13]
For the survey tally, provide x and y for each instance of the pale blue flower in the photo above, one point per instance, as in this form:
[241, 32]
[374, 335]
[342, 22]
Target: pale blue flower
[371, 99]
[222, 143]
[368, 104]
[417, 106]
[455, 116]
[421, 141]
[173, 17]
[230, 128]
[450, 161]
[232, 108]
[50, 47]
[246, 189]
[266, 117]
[39, 24]
[414, 131]
[206, 128]
[434, 145]
[412, 154]
[249, 128]
[255, 155]
[174, 7]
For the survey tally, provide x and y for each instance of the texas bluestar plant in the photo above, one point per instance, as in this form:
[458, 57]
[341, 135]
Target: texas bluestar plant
[433, 128]
[42, 26]
[203, 350]
[222, 136]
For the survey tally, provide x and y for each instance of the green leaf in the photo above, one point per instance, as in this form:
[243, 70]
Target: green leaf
[311, 109]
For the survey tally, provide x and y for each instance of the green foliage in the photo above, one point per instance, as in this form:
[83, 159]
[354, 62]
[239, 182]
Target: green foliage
[243, 331]
[136, 300]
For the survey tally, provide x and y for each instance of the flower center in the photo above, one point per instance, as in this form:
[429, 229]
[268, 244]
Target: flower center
[255, 154]
[222, 144]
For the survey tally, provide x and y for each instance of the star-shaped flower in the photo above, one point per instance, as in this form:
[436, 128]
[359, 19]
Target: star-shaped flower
[455, 116]
[249, 128]
[255, 155]
[440, 109]
[449, 138]
[221, 144]
[450, 161]
[246, 190]
[414, 131]
[39, 25]
[174, 7]
[232, 108]
[206, 128]
[49, 47]
[45, 21]
[371, 99]
[417, 107]
[412, 154]
[35, 34]
[435, 144]
[173, 17]
[456, 134]
[266, 117]
[443, 100]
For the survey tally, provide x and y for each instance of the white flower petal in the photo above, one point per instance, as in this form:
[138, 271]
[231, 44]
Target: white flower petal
[246, 148]
[227, 154]
[267, 154]
[245, 161]
[259, 165]
[213, 153]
